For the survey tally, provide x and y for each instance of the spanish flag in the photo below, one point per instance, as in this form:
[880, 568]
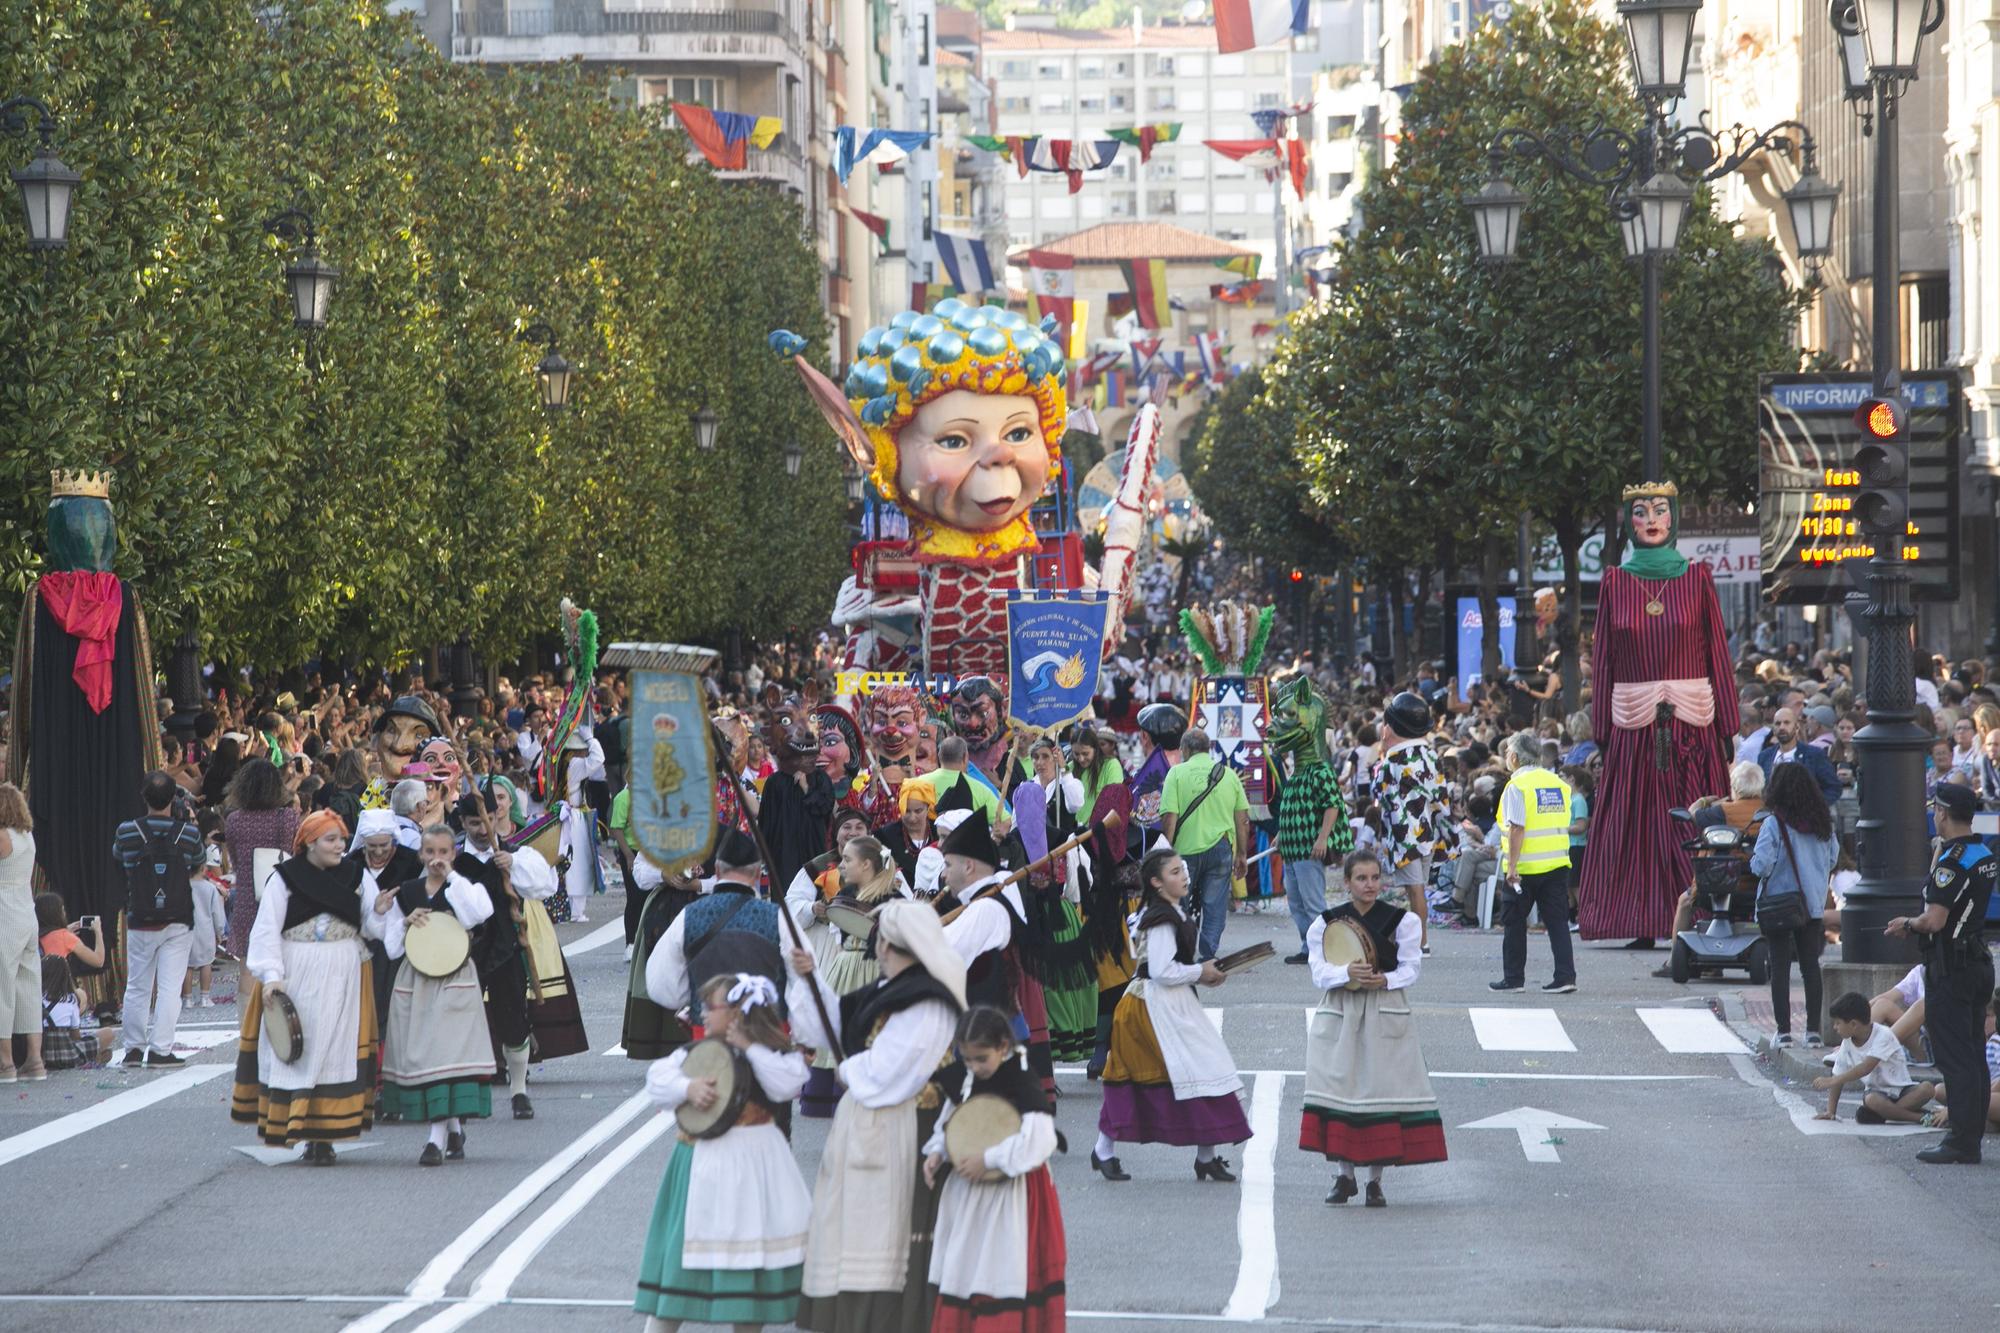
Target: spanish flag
[1247, 265]
[1146, 279]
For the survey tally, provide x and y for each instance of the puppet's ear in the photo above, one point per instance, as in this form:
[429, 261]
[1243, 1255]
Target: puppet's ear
[833, 405]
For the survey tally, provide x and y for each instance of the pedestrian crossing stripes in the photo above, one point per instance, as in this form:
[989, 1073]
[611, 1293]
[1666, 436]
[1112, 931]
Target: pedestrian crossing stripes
[1520, 1030]
[1674, 1031]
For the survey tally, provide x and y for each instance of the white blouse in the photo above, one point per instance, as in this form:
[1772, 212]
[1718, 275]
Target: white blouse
[782, 1076]
[1018, 1154]
[470, 903]
[1162, 968]
[985, 925]
[1409, 955]
[907, 1052]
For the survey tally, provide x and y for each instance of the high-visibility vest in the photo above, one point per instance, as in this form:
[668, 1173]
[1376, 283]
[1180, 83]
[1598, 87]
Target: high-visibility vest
[1545, 798]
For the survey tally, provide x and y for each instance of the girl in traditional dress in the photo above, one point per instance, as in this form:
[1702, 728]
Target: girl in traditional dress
[998, 1261]
[863, 875]
[729, 1227]
[868, 1255]
[1168, 1078]
[1368, 1096]
[1663, 706]
[1048, 810]
[306, 941]
[438, 1065]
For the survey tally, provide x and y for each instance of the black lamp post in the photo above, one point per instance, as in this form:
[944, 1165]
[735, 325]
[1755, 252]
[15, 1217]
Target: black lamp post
[309, 280]
[1665, 162]
[553, 375]
[47, 185]
[1893, 843]
[857, 485]
[794, 455]
[704, 423]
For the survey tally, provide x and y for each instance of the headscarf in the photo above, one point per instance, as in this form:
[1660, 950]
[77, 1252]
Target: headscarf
[916, 791]
[372, 824]
[914, 928]
[516, 811]
[315, 826]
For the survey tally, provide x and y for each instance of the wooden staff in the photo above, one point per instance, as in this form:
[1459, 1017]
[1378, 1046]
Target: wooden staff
[1110, 822]
[798, 940]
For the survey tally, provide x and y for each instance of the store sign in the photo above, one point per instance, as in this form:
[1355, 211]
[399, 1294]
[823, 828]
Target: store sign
[1732, 557]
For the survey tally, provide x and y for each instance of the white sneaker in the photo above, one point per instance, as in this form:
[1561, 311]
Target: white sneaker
[1781, 1040]
[579, 918]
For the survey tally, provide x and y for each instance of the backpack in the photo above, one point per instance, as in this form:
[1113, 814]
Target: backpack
[158, 892]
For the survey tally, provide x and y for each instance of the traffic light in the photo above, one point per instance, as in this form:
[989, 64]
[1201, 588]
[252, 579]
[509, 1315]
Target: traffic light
[1298, 576]
[1882, 505]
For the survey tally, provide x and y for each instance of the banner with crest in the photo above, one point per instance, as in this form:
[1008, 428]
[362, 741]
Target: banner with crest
[1055, 641]
[672, 756]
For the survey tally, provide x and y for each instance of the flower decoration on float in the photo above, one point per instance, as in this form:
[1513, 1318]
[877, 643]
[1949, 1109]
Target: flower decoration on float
[961, 505]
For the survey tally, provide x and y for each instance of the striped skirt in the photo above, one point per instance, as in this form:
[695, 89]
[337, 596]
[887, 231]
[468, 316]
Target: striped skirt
[328, 1093]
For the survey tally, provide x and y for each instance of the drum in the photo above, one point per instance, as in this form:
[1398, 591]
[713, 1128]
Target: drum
[283, 1032]
[851, 918]
[714, 1058]
[439, 946]
[981, 1122]
[543, 835]
[1345, 944]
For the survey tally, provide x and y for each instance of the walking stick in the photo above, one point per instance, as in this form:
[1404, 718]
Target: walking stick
[798, 940]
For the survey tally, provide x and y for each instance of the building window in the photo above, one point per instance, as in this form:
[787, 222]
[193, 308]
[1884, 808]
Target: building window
[1927, 303]
[1090, 69]
[1090, 206]
[1158, 170]
[696, 92]
[1229, 203]
[1014, 104]
[1339, 127]
[1121, 69]
[1013, 69]
[1056, 103]
[1123, 203]
[1161, 65]
[1160, 201]
[1193, 202]
[1121, 101]
[1230, 66]
[1231, 234]
[1090, 103]
[1231, 99]
[1051, 69]
[1019, 208]
[1057, 207]
[1267, 101]
[1162, 99]
[1194, 99]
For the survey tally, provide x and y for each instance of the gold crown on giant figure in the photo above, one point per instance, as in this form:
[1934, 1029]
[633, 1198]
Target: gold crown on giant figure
[64, 481]
[1652, 490]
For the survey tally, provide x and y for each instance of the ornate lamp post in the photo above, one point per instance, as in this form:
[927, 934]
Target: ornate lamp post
[308, 279]
[553, 375]
[704, 423]
[47, 185]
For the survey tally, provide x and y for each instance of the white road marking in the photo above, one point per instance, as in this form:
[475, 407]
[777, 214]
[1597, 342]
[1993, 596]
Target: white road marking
[1802, 1111]
[1690, 1032]
[203, 1039]
[618, 1049]
[1077, 1071]
[497, 1281]
[596, 939]
[430, 1284]
[1519, 1030]
[1535, 1129]
[68, 1127]
[1215, 1018]
[1256, 1210]
[267, 1156]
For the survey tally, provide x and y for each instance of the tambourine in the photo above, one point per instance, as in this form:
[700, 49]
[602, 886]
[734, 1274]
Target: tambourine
[1344, 944]
[983, 1121]
[850, 918]
[1245, 959]
[283, 1032]
[714, 1058]
[439, 946]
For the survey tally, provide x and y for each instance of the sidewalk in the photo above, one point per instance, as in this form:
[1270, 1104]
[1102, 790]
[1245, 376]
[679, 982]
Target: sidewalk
[1749, 1012]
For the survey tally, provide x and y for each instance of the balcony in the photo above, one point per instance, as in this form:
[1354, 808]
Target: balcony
[784, 167]
[759, 31]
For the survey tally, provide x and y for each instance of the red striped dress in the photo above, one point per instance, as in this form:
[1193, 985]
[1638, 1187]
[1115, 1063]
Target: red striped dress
[1636, 869]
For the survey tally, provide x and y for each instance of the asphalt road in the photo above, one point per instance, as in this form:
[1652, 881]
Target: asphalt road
[1631, 1183]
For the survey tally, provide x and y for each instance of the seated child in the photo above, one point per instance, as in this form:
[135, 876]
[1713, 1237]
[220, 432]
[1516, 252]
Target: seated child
[1871, 1056]
[66, 1043]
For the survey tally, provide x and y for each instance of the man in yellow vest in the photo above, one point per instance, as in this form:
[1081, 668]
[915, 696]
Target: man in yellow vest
[1534, 808]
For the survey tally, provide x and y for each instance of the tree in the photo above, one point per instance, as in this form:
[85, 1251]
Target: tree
[1443, 396]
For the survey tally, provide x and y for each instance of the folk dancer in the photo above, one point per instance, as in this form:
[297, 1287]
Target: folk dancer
[728, 1238]
[869, 1250]
[583, 762]
[912, 839]
[555, 1019]
[1168, 1077]
[992, 935]
[438, 1062]
[1048, 811]
[730, 929]
[1368, 1096]
[998, 1261]
[497, 954]
[385, 863]
[306, 942]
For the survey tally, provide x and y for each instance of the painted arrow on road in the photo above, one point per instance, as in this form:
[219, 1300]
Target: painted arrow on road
[1535, 1128]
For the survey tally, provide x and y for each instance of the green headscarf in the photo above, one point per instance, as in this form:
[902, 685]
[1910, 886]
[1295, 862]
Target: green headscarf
[1664, 561]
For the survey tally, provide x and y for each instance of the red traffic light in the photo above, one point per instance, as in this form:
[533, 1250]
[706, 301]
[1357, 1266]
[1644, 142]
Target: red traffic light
[1880, 418]
[1298, 576]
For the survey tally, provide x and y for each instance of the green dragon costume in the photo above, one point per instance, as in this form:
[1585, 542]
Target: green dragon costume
[1298, 730]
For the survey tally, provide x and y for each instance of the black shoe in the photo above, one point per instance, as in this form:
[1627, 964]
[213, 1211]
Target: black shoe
[1506, 985]
[1298, 958]
[1344, 1189]
[1375, 1199]
[1643, 942]
[1215, 1168]
[154, 1060]
[454, 1147]
[1943, 1154]
[135, 1058]
[523, 1108]
[1560, 988]
[1108, 1167]
[320, 1154]
[1093, 1072]
[430, 1156]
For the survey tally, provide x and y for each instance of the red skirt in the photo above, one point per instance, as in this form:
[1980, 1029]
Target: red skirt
[1636, 869]
[1042, 1309]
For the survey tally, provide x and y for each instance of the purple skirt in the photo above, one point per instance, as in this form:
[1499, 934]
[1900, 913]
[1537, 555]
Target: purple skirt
[1150, 1113]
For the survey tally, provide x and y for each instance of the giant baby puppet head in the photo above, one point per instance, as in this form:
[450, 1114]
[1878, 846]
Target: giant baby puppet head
[958, 416]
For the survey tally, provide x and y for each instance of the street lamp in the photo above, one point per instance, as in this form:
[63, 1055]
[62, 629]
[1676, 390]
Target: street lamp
[704, 423]
[308, 279]
[794, 455]
[1811, 202]
[1496, 214]
[1893, 846]
[856, 485]
[553, 374]
[1659, 34]
[1664, 203]
[47, 185]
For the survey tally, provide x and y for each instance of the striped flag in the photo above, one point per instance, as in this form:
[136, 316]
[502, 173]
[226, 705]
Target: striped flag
[1243, 24]
[965, 262]
[878, 225]
[1143, 137]
[1053, 277]
[1143, 352]
[1208, 347]
[1247, 265]
[1146, 279]
[924, 295]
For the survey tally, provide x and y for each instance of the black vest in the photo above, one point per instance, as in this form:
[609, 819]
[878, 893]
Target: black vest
[862, 1010]
[335, 892]
[1380, 923]
[1186, 935]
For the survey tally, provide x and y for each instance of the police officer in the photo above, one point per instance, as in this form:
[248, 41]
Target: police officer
[1534, 862]
[1958, 971]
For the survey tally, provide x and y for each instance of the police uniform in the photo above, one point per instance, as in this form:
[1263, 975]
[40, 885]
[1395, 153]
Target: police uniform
[1958, 985]
[1544, 870]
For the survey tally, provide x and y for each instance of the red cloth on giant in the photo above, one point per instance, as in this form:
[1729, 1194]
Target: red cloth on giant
[87, 604]
[1636, 869]
[1042, 1309]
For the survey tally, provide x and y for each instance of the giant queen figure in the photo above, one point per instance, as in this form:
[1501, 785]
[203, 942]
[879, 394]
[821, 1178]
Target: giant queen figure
[1663, 706]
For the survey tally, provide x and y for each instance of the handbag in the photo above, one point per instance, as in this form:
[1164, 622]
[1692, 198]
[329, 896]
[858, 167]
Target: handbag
[1783, 912]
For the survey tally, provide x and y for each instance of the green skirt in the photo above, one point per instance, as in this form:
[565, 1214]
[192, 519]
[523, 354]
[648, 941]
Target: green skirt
[704, 1295]
[467, 1099]
[1072, 1007]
